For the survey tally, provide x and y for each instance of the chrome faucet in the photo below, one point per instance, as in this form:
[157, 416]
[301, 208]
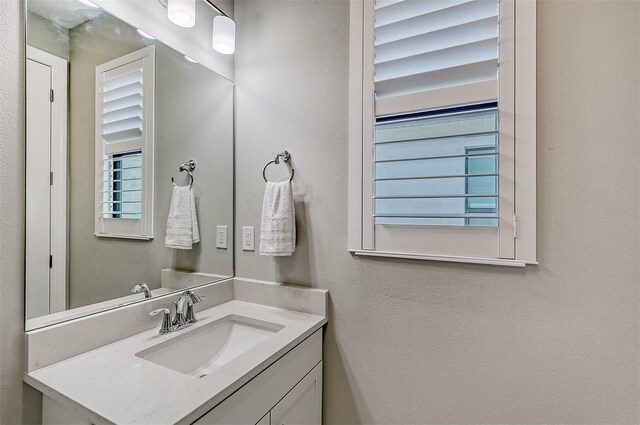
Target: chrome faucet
[184, 307]
[141, 287]
[184, 315]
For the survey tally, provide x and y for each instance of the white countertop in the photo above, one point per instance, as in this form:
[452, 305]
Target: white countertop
[74, 313]
[112, 385]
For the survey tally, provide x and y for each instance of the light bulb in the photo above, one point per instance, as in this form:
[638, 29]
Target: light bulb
[224, 35]
[182, 12]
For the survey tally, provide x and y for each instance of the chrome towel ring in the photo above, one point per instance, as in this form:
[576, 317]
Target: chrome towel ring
[285, 156]
[188, 166]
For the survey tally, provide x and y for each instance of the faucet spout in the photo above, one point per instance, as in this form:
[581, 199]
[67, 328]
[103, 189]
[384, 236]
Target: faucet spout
[141, 287]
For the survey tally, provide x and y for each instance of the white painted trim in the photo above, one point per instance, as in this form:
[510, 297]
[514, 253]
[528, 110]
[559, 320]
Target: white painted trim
[58, 166]
[525, 127]
[506, 139]
[445, 258]
[368, 121]
[127, 228]
[468, 94]
[356, 10]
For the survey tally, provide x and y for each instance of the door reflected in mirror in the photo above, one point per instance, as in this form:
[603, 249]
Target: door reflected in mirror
[113, 117]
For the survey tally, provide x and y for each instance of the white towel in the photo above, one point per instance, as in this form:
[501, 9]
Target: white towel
[182, 224]
[278, 224]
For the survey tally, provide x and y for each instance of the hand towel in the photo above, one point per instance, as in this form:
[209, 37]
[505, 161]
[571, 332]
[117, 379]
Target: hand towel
[278, 223]
[182, 224]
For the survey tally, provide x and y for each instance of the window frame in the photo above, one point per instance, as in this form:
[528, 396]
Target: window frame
[521, 66]
[128, 228]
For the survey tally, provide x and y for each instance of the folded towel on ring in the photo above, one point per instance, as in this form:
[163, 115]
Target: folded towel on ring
[278, 222]
[182, 224]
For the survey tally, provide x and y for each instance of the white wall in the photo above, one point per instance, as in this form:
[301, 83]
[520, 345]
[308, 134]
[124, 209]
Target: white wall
[11, 210]
[428, 342]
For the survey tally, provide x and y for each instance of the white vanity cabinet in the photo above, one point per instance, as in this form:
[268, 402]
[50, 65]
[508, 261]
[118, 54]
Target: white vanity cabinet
[287, 392]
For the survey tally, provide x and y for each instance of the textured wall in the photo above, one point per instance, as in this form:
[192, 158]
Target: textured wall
[11, 210]
[428, 342]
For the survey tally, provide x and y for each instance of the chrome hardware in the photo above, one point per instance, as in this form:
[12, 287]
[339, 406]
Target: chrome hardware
[178, 317]
[166, 326]
[141, 287]
[285, 156]
[190, 317]
[185, 306]
[184, 314]
[188, 166]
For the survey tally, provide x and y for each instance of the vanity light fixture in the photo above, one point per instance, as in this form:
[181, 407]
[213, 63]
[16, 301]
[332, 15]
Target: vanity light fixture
[145, 35]
[89, 3]
[182, 12]
[190, 60]
[224, 35]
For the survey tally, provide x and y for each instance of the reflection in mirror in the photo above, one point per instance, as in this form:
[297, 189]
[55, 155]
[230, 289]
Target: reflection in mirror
[113, 115]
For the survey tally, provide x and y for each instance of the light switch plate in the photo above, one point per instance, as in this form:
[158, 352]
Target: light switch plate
[221, 237]
[248, 239]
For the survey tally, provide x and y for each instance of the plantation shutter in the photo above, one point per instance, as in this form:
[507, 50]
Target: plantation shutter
[124, 145]
[441, 161]
[434, 54]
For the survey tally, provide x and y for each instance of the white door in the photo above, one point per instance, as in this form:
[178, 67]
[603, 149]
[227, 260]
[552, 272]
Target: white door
[38, 201]
[303, 404]
[46, 183]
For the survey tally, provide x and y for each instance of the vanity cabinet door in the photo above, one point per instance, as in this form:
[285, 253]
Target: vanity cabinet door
[303, 404]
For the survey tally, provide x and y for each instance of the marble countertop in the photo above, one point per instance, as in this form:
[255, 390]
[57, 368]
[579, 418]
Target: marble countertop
[112, 385]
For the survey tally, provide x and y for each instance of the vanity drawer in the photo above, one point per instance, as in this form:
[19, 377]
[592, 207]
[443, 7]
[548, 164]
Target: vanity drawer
[255, 399]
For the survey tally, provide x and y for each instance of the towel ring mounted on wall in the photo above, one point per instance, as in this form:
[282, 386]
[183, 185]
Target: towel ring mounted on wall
[285, 156]
[188, 166]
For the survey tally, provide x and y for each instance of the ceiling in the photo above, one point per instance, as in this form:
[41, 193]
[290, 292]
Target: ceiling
[65, 13]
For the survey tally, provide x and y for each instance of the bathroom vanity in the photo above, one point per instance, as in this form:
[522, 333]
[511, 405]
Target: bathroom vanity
[243, 362]
[125, 112]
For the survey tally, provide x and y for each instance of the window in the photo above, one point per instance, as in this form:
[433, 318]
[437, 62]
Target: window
[123, 197]
[436, 163]
[124, 146]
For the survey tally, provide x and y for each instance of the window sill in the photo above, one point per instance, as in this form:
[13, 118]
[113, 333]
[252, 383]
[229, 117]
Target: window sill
[114, 236]
[446, 258]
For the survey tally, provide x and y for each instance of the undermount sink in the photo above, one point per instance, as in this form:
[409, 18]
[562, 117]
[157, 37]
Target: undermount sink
[199, 351]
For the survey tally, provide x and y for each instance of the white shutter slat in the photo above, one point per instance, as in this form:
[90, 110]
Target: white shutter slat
[122, 113]
[123, 130]
[479, 51]
[123, 102]
[428, 46]
[123, 91]
[419, 23]
[442, 78]
[458, 35]
[136, 76]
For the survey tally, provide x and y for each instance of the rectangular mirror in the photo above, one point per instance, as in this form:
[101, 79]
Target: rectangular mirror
[114, 118]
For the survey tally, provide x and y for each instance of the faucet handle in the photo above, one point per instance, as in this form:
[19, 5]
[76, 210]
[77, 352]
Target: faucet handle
[178, 319]
[165, 327]
[190, 316]
[194, 296]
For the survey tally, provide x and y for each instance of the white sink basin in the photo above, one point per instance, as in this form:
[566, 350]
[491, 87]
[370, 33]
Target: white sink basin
[200, 351]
